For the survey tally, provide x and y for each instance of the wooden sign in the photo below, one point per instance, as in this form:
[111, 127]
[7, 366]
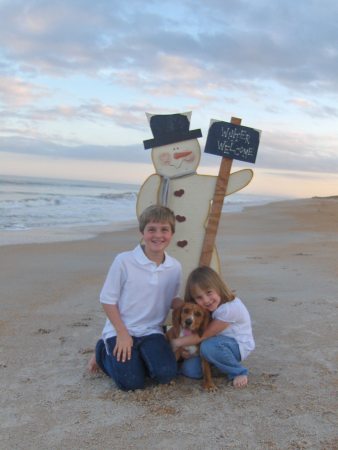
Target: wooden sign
[232, 141]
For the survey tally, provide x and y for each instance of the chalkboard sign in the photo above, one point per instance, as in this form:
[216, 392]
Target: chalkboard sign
[232, 141]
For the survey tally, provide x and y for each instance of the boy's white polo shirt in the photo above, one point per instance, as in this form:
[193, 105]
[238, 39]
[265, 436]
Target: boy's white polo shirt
[142, 290]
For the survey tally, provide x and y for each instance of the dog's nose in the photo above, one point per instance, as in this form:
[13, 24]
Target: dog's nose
[188, 322]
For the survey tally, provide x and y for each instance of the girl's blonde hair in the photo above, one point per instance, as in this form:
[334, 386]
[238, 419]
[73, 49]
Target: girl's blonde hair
[206, 278]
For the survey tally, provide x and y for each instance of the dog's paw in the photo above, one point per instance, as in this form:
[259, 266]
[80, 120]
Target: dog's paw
[210, 387]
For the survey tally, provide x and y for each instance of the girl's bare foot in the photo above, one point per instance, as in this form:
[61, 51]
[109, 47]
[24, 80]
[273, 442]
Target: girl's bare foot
[240, 382]
[92, 365]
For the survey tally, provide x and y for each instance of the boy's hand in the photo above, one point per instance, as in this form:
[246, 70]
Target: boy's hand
[122, 350]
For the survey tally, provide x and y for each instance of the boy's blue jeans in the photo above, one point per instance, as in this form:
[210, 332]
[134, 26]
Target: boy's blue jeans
[220, 351]
[151, 356]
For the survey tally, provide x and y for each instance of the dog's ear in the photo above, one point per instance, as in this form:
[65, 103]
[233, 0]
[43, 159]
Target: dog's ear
[176, 317]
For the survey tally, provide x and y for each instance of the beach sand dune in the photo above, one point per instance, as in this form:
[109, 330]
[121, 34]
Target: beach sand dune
[282, 260]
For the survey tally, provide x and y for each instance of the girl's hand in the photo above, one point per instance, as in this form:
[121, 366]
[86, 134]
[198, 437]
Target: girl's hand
[175, 344]
[185, 341]
[185, 354]
[122, 350]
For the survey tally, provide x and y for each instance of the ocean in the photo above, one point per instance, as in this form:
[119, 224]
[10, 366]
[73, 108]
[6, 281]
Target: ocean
[27, 203]
[39, 203]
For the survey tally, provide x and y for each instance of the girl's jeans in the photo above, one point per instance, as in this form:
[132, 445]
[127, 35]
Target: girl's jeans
[220, 351]
[150, 356]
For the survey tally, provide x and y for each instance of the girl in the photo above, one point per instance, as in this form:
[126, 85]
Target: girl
[228, 339]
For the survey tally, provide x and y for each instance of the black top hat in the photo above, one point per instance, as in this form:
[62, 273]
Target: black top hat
[170, 128]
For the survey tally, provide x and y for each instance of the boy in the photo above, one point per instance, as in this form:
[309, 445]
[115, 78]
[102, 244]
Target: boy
[139, 290]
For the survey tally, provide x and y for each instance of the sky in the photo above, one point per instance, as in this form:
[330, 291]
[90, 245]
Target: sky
[78, 76]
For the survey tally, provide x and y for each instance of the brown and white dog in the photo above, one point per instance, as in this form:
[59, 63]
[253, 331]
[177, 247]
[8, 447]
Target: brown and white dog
[189, 319]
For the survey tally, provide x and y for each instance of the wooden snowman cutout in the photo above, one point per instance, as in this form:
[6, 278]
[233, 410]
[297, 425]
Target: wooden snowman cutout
[176, 155]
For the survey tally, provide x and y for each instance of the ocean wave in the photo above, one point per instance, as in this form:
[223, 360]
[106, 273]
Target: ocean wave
[54, 182]
[119, 196]
[33, 204]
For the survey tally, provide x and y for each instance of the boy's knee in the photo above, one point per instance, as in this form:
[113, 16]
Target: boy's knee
[130, 384]
[165, 373]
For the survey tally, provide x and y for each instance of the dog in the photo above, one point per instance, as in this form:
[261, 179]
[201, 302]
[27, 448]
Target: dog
[189, 319]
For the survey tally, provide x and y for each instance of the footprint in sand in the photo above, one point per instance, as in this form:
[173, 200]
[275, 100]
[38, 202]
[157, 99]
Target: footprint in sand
[43, 331]
[271, 299]
[79, 324]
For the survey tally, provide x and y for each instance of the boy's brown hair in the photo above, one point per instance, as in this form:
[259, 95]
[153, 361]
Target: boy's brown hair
[159, 214]
[206, 278]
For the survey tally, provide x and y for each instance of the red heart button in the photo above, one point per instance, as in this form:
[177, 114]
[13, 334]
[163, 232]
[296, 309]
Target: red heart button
[179, 193]
[180, 218]
[182, 243]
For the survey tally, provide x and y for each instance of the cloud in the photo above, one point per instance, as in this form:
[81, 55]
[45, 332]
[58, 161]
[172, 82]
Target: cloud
[293, 44]
[94, 110]
[18, 92]
[31, 146]
[298, 151]
[45, 36]
[314, 108]
[22, 94]
[73, 71]
[292, 151]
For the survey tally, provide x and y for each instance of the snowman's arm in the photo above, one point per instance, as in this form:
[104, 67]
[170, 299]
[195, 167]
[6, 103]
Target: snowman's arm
[148, 194]
[238, 180]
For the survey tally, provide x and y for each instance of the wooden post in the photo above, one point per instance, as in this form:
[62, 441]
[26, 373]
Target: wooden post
[216, 208]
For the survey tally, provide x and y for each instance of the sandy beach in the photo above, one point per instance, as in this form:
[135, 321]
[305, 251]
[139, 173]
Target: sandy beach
[282, 260]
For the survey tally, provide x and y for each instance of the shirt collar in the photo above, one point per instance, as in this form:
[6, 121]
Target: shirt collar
[141, 258]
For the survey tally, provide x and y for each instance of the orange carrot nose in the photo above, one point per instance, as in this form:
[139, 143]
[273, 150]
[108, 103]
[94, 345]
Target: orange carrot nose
[181, 155]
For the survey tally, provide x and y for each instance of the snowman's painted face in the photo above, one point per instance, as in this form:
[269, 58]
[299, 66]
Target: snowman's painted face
[177, 159]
